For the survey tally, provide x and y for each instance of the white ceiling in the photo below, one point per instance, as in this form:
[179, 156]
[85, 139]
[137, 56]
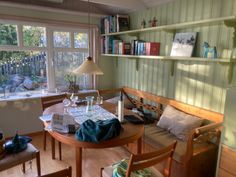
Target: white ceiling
[129, 5]
[96, 6]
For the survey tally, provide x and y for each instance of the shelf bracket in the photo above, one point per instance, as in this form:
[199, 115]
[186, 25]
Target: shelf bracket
[232, 24]
[173, 31]
[172, 68]
[230, 72]
[137, 64]
[116, 60]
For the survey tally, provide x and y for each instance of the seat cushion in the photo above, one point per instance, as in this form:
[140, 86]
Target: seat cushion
[107, 172]
[158, 137]
[11, 160]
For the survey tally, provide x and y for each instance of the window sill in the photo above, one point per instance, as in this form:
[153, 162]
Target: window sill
[33, 95]
[25, 96]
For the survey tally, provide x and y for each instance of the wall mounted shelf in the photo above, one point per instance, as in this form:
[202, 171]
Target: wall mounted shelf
[229, 61]
[229, 21]
[173, 27]
[171, 58]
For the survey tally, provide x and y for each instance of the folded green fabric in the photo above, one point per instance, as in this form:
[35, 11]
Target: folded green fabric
[120, 168]
[100, 130]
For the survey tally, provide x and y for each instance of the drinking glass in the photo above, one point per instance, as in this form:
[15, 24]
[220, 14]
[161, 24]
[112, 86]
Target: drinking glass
[66, 103]
[89, 100]
[99, 100]
[74, 99]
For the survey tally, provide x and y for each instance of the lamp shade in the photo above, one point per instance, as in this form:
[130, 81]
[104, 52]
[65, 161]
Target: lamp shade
[88, 67]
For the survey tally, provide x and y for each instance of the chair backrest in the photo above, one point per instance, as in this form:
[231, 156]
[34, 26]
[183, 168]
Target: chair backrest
[62, 173]
[51, 100]
[145, 160]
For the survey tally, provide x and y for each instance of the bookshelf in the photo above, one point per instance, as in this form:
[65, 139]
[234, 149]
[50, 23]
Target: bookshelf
[171, 28]
[228, 21]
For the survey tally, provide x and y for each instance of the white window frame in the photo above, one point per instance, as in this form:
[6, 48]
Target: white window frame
[49, 49]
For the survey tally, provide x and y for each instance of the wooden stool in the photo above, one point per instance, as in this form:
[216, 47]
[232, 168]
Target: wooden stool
[11, 160]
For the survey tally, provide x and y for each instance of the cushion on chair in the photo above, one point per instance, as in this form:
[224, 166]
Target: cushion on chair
[11, 160]
[107, 172]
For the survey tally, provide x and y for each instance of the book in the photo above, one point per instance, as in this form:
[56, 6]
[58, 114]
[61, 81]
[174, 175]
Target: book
[122, 23]
[183, 44]
[152, 48]
[126, 48]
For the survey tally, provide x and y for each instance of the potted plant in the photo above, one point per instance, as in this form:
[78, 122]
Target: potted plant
[72, 86]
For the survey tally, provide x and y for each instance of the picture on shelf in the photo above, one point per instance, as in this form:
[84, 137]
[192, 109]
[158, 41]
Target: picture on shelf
[183, 44]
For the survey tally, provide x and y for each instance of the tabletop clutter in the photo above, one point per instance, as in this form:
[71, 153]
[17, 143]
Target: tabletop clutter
[83, 119]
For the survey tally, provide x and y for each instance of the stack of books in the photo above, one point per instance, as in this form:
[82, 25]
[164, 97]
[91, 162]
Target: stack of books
[114, 23]
[139, 47]
[110, 45]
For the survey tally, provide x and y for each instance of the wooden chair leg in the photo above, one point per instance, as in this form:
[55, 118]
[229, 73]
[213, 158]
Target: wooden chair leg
[53, 147]
[38, 163]
[101, 171]
[44, 140]
[23, 167]
[59, 147]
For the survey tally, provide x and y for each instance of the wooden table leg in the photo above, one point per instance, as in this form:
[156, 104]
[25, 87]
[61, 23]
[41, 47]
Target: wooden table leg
[139, 146]
[53, 147]
[78, 156]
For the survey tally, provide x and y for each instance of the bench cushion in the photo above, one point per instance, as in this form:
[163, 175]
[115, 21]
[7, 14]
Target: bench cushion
[158, 137]
[11, 160]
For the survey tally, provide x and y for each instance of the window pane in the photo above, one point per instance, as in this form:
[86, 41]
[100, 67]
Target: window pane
[22, 71]
[8, 34]
[61, 39]
[65, 63]
[81, 40]
[34, 36]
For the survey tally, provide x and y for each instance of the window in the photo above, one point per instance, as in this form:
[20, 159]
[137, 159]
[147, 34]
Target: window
[34, 36]
[61, 39]
[25, 65]
[8, 34]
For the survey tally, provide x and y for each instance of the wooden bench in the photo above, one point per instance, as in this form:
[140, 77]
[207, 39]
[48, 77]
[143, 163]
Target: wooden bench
[195, 157]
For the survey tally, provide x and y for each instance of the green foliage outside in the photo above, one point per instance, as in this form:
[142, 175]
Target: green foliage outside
[8, 34]
[33, 36]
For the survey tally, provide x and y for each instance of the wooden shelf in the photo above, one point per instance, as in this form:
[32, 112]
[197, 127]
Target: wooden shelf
[170, 58]
[173, 27]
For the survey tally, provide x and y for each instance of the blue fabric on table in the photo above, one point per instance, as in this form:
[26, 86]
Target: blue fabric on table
[100, 130]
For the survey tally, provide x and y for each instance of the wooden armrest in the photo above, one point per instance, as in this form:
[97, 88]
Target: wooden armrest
[109, 91]
[207, 128]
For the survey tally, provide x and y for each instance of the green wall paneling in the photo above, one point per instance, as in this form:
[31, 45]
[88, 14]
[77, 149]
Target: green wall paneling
[198, 83]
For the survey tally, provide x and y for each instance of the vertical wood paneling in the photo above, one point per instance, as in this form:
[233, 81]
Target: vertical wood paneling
[198, 83]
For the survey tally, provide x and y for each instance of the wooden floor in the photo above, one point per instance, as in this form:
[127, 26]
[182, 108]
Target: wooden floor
[93, 160]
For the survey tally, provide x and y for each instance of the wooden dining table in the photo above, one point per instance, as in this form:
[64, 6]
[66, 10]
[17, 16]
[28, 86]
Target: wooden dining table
[130, 133]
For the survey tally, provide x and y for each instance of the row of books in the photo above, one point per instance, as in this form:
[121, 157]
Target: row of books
[109, 45]
[114, 23]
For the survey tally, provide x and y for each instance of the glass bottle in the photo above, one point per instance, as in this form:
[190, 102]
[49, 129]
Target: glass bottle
[89, 100]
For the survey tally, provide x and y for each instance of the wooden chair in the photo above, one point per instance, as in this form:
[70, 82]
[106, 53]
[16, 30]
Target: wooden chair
[62, 173]
[46, 102]
[141, 161]
[11, 160]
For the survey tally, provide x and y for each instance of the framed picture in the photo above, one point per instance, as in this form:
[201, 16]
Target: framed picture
[183, 44]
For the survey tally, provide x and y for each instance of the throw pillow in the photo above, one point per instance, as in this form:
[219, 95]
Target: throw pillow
[178, 123]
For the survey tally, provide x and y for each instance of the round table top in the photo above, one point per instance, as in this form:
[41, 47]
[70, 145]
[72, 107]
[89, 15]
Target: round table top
[129, 133]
